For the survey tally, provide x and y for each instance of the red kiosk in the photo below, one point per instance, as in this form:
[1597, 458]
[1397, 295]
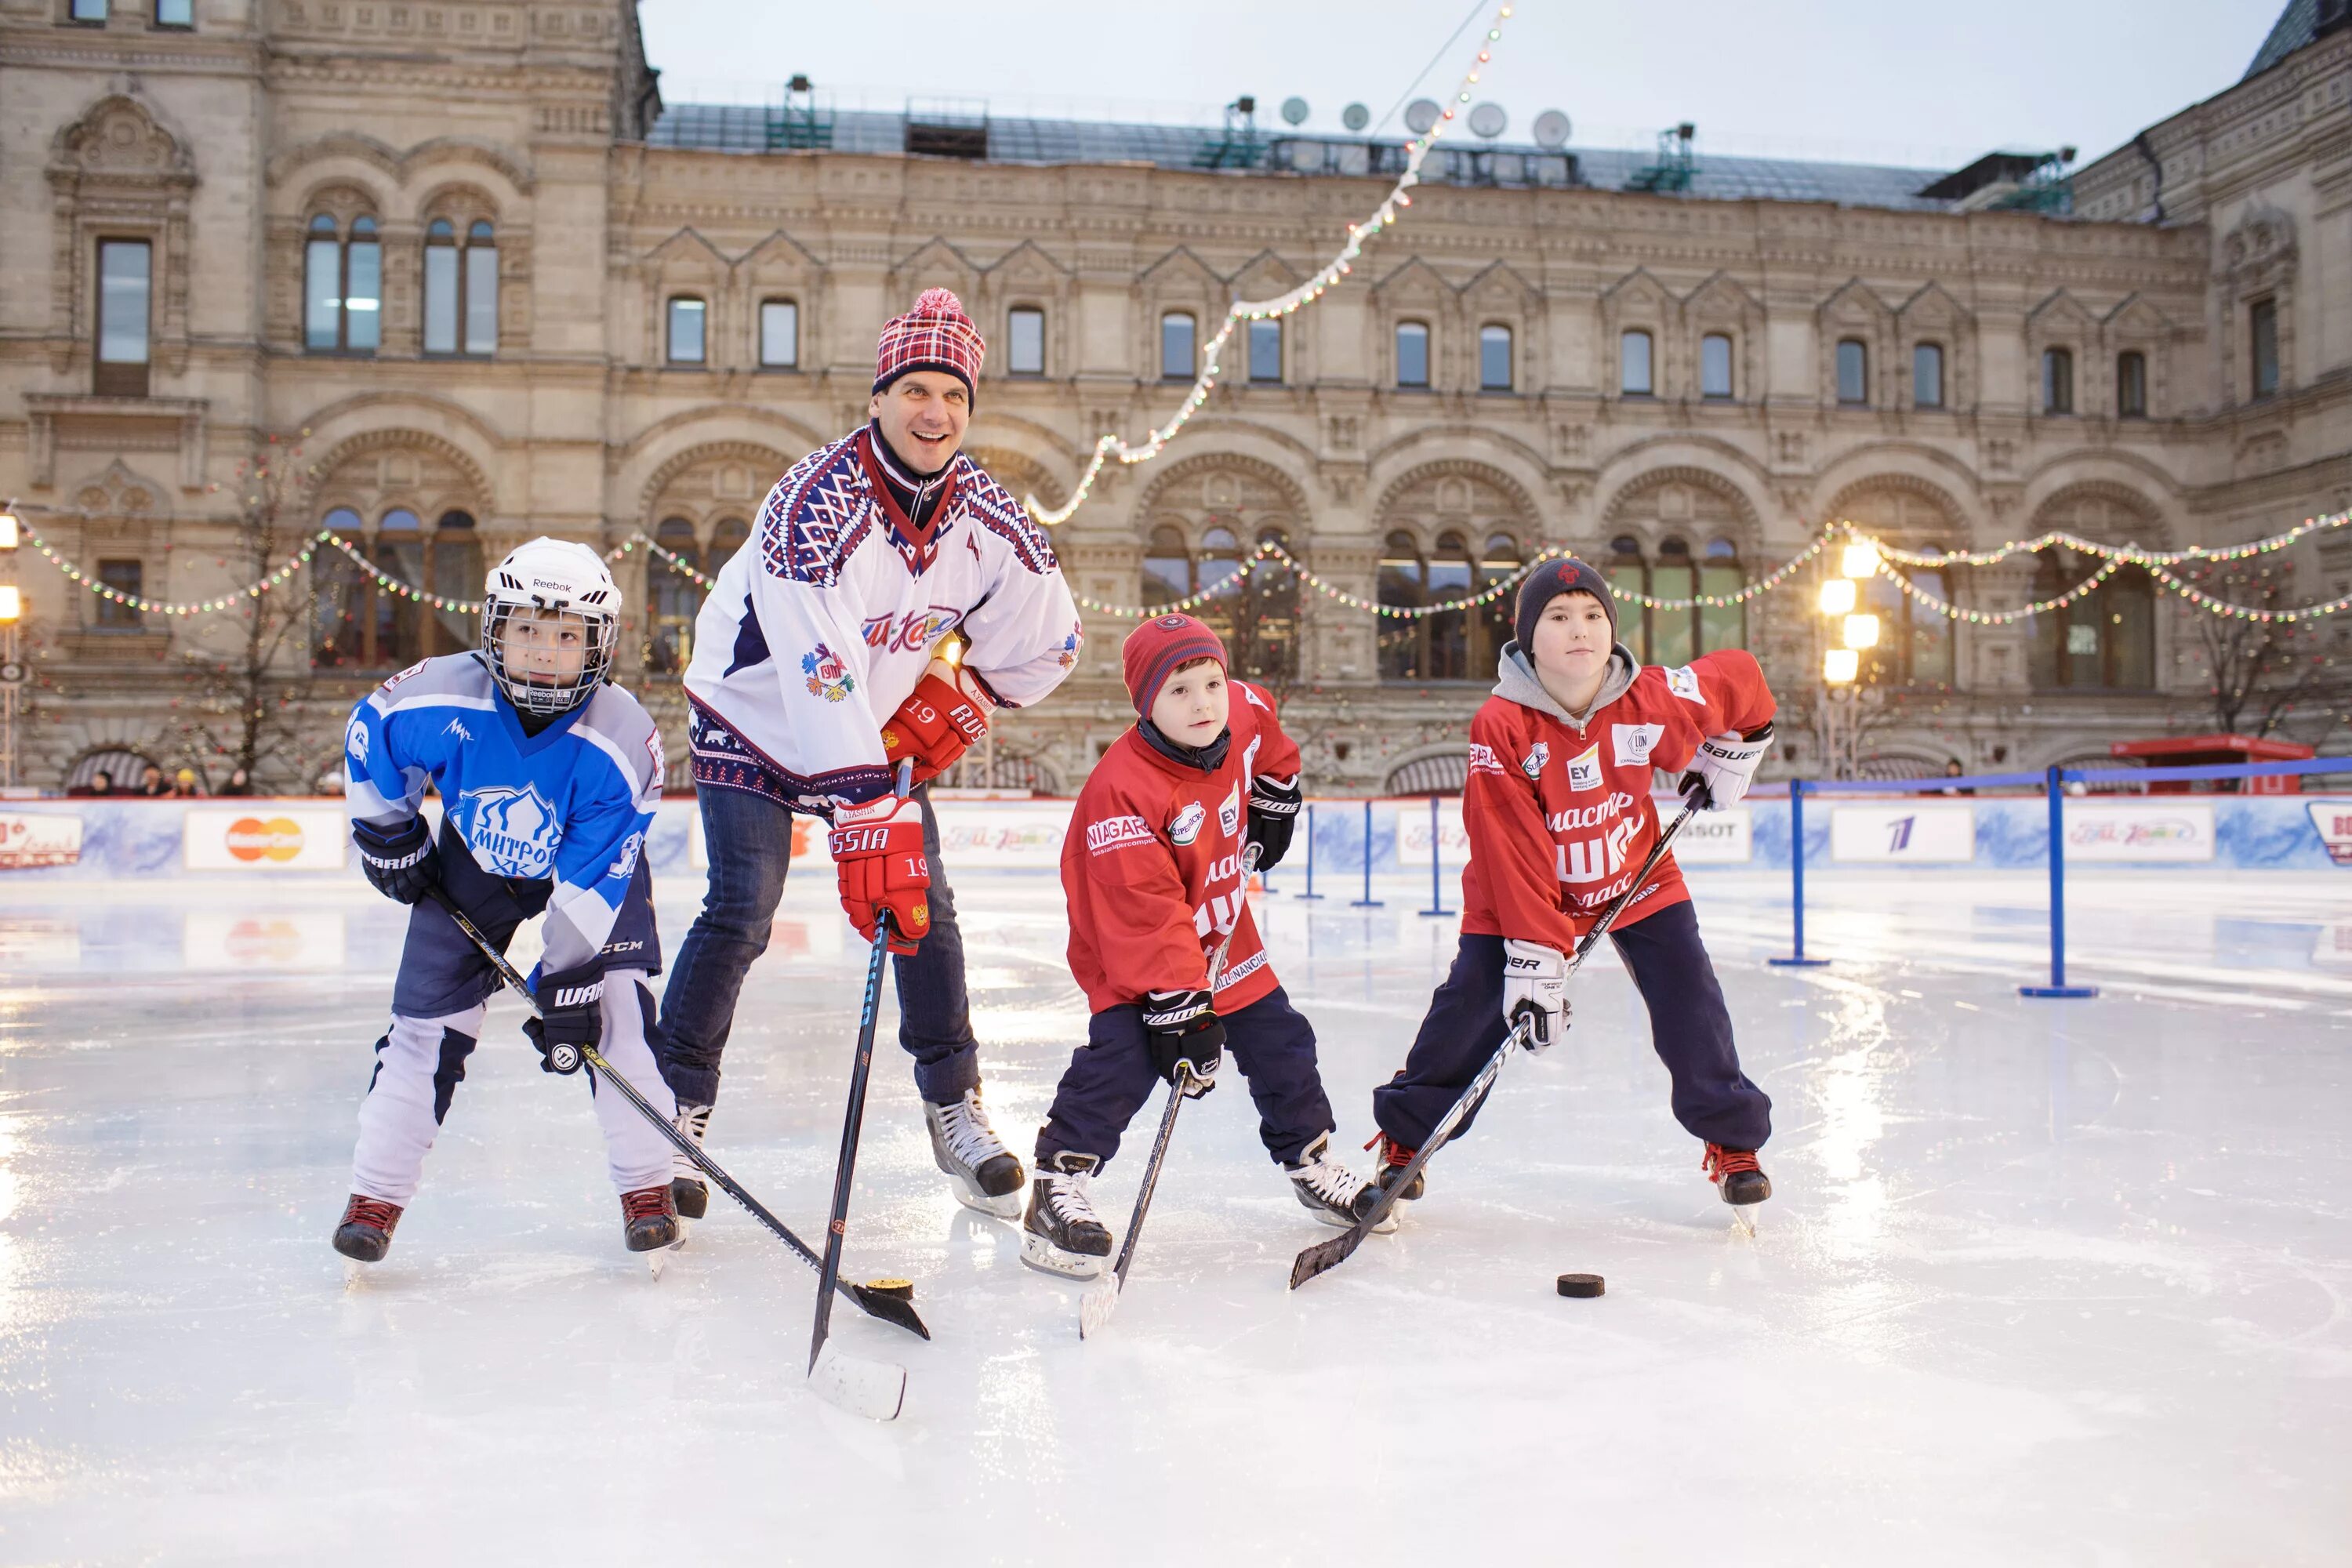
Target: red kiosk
[2216, 750]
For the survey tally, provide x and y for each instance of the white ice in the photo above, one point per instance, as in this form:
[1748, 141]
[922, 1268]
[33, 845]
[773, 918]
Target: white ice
[2042, 1282]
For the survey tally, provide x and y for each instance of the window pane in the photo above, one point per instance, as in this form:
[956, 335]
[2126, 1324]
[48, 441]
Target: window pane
[1266, 351]
[1714, 366]
[686, 331]
[1495, 359]
[780, 333]
[175, 13]
[456, 574]
[1928, 376]
[89, 10]
[1448, 574]
[440, 299]
[1025, 354]
[1721, 626]
[481, 300]
[2057, 381]
[2131, 385]
[1852, 372]
[1632, 619]
[1176, 347]
[1413, 354]
[1633, 364]
[1670, 630]
[1931, 629]
[2265, 345]
[322, 294]
[364, 306]
[123, 578]
[2128, 601]
[122, 302]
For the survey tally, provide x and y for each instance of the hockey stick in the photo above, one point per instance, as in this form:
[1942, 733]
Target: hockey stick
[829, 1369]
[889, 1308]
[1325, 1256]
[1096, 1308]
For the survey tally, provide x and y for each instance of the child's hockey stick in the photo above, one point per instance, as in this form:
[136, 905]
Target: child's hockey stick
[1096, 1308]
[1328, 1254]
[889, 1308]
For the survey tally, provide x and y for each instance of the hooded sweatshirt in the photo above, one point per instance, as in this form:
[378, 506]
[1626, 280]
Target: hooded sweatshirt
[1557, 804]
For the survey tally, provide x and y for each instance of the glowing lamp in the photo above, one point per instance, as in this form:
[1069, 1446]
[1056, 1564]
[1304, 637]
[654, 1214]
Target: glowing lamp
[1861, 632]
[1839, 665]
[1859, 560]
[1838, 597]
[7, 531]
[12, 606]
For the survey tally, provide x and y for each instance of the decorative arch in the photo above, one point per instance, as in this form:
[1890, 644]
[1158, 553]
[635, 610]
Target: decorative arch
[424, 418]
[1199, 522]
[397, 466]
[2102, 510]
[1018, 472]
[1452, 488]
[1286, 493]
[1923, 509]
[629, 471]
[397, 166]
[709, 477]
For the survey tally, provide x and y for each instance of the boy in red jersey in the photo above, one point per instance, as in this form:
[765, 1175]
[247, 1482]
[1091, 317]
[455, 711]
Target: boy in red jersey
[1152, 870]
[1558, 809]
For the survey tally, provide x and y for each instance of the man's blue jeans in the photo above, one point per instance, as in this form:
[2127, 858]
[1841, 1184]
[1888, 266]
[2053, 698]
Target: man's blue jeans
[750, 838]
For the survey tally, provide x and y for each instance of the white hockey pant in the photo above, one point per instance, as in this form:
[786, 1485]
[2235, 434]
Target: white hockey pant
[420, 1062]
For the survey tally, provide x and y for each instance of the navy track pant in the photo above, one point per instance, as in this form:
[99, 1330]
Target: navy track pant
[1689, 1026]
[1111, 1076]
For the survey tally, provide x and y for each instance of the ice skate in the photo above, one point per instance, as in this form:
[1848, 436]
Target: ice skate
[1062, 1233]
[985, 1173]
[1743, 1183]
[1389, 1163]
[687, 1189]
[1332, 1193]
[364, 1234]
[649, 1221]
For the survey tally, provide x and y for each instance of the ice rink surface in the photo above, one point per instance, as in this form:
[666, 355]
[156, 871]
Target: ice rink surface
[2042, 1282]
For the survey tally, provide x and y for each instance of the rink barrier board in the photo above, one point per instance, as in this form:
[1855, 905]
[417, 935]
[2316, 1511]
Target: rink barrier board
[1844, 830]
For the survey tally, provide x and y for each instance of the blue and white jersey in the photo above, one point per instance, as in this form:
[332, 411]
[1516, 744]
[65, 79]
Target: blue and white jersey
[572, 804]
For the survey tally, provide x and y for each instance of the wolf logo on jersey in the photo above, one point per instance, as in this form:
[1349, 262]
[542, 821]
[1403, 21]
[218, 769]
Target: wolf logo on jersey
[512, 832]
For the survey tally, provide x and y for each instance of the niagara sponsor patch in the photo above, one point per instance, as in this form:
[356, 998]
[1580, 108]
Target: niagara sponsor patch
[1187, 824]
[1584, 770]
[1533, 763]
[1634, 742]
[827, 677]
[1683, 682]
[1483, 759]
[1117, 833]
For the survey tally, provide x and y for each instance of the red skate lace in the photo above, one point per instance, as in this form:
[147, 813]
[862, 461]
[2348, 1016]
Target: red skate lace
[373, 1212]
[1720, 1162]
[1395, 1153]
[645, 1202]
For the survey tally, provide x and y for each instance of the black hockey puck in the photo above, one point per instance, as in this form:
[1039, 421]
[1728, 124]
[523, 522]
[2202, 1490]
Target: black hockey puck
[900, 1289]
[1581, 1285]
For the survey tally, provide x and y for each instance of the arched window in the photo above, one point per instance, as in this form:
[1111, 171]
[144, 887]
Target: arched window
[2131, 385]
[1446, 634]
[1267, 628]
[400, 554]
[340, 602]
[1399, 587]
[1927, 375]
[1674, 633]
[2057, 381]
[1915, 640]
[1719, 578]
[456, 574]
[1177, 356]
[481, 302]
[1634, 372]
[672, 599]
[1167, 568]
[1852, 372]
[1714, 366]
[461, 289]
[342, 287]
[1425, 648]
[1494, 358]
[1498, 562]
[726, 538]
[2106, 640]
[1413, 354]
[1628, 574]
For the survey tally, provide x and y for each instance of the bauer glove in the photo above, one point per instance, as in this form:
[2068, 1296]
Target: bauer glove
[571, 1018]
[879, 859]
[1722, 766]
[1185, 1034]
[1273, 813]
[945, 714]
[1535, 987]
[402, 862]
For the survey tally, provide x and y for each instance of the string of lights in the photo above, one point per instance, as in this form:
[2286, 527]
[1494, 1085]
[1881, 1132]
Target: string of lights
[1240, 312]
[2131, 554]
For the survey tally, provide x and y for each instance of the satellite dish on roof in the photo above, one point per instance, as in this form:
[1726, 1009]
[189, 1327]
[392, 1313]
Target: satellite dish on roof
[1552, 130]
[1293, 110]
[1421, 114]
[1486, 120]
[1355, 117]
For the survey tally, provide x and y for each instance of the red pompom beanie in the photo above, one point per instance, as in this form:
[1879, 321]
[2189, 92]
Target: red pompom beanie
[935, 335]
[1156, 648]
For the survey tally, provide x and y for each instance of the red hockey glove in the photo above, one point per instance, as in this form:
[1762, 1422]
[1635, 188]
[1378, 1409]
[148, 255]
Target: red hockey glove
[941, 717]
[877, 854]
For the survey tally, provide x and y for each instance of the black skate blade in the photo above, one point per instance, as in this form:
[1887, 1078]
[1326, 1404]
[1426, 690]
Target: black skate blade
[888, 1308]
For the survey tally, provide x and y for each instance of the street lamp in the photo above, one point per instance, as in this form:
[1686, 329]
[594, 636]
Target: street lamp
[1857, 630]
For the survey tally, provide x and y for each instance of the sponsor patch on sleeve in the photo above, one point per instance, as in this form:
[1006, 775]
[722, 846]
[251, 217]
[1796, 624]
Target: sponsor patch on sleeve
[1538, 757]
[1117, 833]
[1633, 743]
[1683, 682]
[1483, 759]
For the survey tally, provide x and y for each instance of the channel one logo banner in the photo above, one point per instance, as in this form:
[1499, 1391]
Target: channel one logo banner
[2143, 832]
[1903, 833]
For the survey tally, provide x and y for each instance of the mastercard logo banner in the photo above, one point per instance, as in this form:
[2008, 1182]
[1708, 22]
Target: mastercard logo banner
[251, 838]
[265, 837]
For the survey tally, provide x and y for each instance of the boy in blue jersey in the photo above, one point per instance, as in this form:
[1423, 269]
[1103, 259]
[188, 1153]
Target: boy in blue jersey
[549, 776]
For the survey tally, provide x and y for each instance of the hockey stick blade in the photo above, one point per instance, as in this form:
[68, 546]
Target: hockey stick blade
[1096, 1305]
[874, 1389]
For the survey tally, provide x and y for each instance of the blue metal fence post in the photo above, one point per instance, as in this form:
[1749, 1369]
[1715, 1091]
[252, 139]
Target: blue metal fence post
[1797, 959]
[1310, 893]
[2057, 986]
[1367, 901]
[1436, 889]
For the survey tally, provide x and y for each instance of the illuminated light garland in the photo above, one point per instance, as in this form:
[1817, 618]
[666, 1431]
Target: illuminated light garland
[2130, 554]
[1280, 305]
[164, 606]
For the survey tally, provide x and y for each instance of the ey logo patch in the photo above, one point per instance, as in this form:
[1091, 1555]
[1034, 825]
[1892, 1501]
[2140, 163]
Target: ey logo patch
[1584, 769]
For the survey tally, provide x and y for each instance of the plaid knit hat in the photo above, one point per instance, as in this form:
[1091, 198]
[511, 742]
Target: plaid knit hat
[935, 335]
[1156, 648]
[1548, 582]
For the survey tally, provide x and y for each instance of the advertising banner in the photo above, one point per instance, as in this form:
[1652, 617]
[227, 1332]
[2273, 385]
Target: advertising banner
[1001, 835]
[1725, 837]
[2333, 820]
[1903, 833]
[268, 835]
[1412, 834]
[33, 838]
[2160, 828]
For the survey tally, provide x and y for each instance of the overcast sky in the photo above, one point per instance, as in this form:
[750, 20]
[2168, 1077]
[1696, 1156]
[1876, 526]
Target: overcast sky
[1860, 80]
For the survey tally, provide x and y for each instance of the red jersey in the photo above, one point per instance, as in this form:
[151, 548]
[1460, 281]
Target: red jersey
[1152, 865]
[1559, 813]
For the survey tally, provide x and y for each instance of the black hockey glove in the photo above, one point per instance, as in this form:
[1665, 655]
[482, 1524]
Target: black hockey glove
[402, 865]
[1273, 813]
[571, 1018]
[1184, 1031]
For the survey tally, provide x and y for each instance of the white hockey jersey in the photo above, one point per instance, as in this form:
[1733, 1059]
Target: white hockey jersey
[822, 624]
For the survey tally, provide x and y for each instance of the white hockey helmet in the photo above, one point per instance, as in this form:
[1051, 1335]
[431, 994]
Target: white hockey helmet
[569, 581]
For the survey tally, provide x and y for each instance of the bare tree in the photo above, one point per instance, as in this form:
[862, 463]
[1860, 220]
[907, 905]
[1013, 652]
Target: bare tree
[2265, 676]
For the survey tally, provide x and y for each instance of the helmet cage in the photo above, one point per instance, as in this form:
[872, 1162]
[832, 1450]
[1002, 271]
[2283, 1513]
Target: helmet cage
[545, 697]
